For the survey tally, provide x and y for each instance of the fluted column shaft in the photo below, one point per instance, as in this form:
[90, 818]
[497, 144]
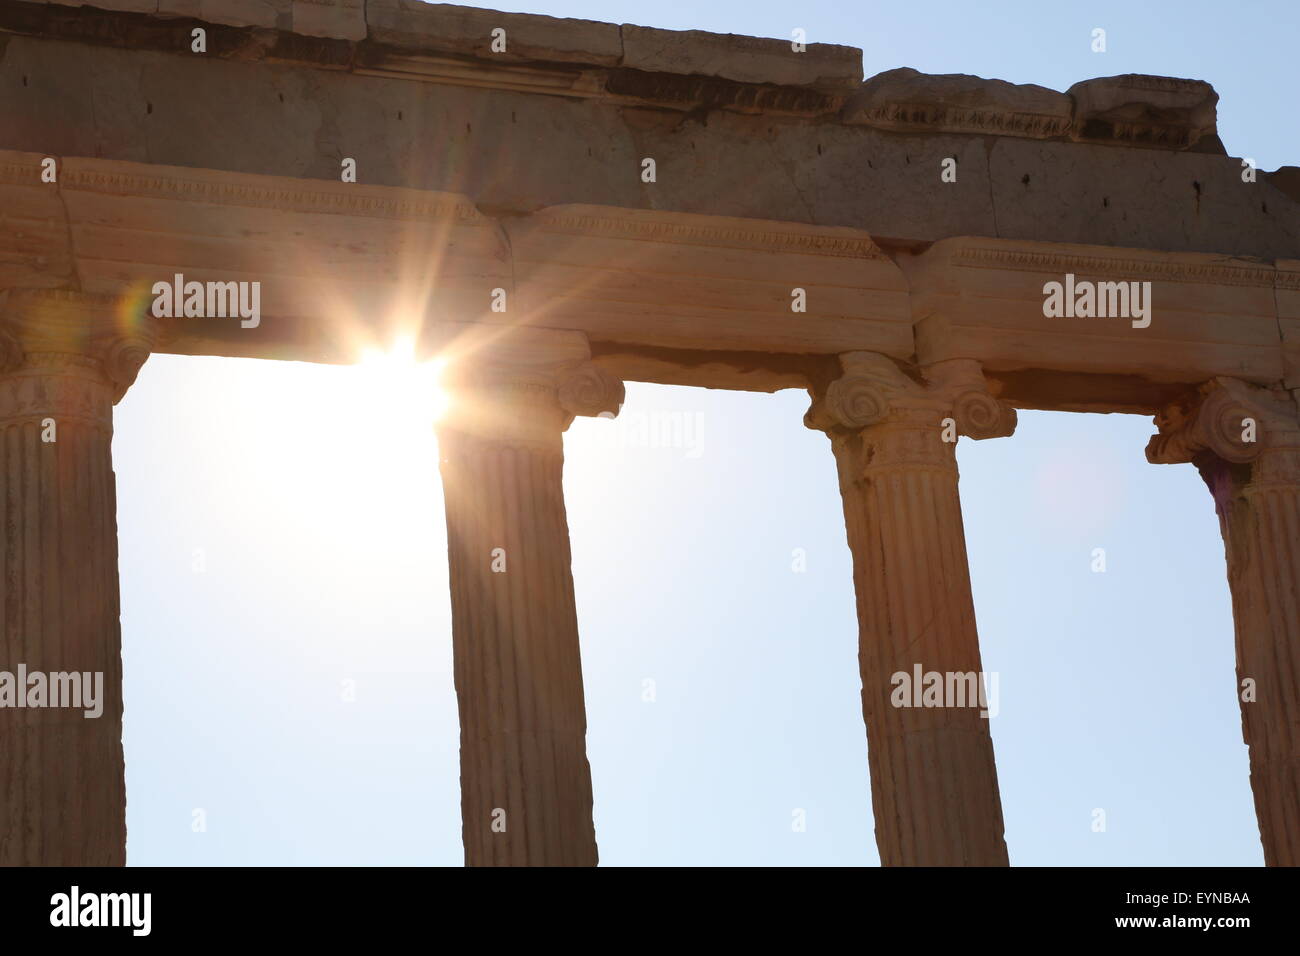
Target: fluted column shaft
[1260, 521]
[933, 778]
[62, 791]
[1256, 488]
[526, 794]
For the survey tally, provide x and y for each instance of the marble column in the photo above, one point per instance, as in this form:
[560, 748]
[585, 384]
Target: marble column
[933, 780]
[65, 360]
[1245, 441]
[525, 782]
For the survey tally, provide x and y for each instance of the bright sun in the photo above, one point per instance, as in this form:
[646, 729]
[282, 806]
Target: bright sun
[407, 385]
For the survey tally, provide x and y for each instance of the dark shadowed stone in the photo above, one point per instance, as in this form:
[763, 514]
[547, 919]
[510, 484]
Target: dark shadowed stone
[906, 100]
[741, 58]
[1139, 110]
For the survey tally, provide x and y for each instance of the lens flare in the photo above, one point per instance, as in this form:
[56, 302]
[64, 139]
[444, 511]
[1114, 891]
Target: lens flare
[405, 384]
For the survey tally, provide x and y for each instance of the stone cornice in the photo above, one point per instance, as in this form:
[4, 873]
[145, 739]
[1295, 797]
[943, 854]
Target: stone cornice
[1121, 266]
[911, 117]
[16, 172]
[244, 189]
[680, 70]
[274, 193]
[1132, 110]
[579, 84]
[707, 230]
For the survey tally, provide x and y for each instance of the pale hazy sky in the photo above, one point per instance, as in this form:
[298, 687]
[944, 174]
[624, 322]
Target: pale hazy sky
[282, 532]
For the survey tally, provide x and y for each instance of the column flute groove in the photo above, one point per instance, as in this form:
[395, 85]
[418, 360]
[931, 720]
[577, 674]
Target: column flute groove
[933, 778]
[64, 363]
[526, 795]
[1245, 441]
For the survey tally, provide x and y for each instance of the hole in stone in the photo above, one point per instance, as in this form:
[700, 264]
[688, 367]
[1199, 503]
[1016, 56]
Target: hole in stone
[24, 81]
[1105, 201]
[1197, 186]
[1263, 207]
[399, 114]
[1025, 179]
[148, 107]
[281, 97]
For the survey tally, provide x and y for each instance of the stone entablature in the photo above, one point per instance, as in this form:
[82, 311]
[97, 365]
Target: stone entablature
[503, 220]
[575, 110]
[585, 58]
[983, 299]
[663, 296]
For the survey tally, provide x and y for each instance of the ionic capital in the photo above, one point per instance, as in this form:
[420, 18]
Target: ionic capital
[1231, 419]
[874, 390]
[524, 383]
[591, 391]
[95, 341]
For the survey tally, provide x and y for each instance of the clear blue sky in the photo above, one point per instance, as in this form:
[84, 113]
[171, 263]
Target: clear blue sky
[282, 532]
